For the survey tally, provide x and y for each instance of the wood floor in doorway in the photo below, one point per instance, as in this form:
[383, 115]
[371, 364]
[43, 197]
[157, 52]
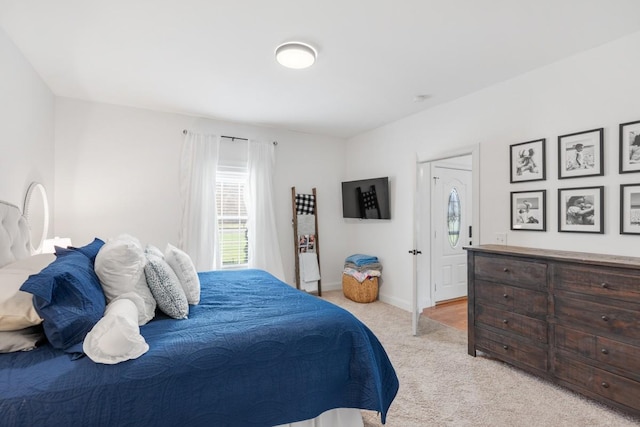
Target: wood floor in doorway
[452, 313]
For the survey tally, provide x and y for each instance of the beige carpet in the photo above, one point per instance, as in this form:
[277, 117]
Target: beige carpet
[441, 385]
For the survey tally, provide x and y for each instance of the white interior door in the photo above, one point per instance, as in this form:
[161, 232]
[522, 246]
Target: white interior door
[451, 220]
[427, 205]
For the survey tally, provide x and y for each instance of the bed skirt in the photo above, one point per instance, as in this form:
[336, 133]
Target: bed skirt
[340, 417]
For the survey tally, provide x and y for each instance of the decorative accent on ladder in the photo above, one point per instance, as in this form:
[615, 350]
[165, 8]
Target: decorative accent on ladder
[306, 242]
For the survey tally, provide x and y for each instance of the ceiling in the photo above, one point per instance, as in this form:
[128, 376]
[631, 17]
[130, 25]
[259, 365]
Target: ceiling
[215, 58]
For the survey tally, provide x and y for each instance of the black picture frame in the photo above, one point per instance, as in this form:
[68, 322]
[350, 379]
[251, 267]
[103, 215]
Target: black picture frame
[529, 210]
[527, 161]
[581, 210]
[629, 153]
[581, 154]
[630, 209]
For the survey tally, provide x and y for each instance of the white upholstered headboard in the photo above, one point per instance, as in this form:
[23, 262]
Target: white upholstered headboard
[14, 234]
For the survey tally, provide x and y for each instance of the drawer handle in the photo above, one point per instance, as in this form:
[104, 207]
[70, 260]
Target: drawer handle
[506, 347]
[506, 270]
[605, 318]
[605, 285]
[604, 351]
[505, 321]
[505, 295]
[605, 384]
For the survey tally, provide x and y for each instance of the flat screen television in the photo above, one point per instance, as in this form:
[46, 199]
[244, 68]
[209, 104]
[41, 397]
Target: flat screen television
[366, 199]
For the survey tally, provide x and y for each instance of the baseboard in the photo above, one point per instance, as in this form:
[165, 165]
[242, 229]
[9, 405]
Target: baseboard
[333, 286]
[404, 305]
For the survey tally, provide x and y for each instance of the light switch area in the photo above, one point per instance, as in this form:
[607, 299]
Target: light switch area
[501, 238]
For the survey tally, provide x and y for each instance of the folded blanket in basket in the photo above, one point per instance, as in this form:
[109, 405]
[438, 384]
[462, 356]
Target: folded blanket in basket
[365, 267]
[361, 276]
[360, 259]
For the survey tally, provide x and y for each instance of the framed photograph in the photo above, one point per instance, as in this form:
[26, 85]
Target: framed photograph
[581, 210]
[630, 209]
[527, 161]
[581, 154]
[529, 210]
[630, 147]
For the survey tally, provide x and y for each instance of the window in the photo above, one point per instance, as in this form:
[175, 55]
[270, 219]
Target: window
[232, 217]
[453, 217]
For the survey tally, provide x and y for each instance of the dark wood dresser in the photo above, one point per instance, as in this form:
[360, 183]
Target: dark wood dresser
[570, 317]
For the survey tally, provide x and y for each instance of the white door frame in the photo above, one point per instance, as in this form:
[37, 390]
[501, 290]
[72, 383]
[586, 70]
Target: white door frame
[419, 228]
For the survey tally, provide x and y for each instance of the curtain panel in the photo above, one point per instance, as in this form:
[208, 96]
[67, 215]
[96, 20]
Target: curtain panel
[264, 248]
[198, 233]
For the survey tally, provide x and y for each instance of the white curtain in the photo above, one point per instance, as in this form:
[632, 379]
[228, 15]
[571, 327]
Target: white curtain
[199, 223]
[264, 249]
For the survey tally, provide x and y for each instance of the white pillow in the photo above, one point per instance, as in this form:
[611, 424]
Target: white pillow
[116, 337]
[35, 263]
[166, 288]
[22, 340]
[150, 249]
[16, 307]
[120, 267]
[184, 268]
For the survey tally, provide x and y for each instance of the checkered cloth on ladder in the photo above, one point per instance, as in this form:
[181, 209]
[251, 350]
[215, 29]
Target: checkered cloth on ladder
[305, 204]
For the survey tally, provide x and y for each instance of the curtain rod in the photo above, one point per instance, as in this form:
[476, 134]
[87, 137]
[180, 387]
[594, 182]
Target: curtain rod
[232, 138]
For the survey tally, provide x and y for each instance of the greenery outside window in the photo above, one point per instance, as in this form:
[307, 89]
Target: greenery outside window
[232, 217]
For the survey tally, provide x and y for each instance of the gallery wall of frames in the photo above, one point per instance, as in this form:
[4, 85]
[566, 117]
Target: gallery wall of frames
[580, 208]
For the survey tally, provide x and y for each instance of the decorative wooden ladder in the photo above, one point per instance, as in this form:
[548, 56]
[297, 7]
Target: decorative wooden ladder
[305, 242]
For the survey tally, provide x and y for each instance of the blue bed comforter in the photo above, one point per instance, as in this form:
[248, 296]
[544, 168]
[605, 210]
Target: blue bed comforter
[254, 352]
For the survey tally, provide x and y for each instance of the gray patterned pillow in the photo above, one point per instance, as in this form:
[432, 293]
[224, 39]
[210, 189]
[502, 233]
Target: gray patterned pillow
[166, 287]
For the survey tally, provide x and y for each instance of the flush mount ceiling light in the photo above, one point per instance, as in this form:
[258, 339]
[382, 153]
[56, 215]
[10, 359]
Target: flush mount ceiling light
[296, 55]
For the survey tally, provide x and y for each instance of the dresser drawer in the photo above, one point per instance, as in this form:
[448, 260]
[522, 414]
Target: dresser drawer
[621, 355]
[519, 300]
[512, 350]
[611, 283]
[611, 386]
[505, 320]
[607, 351]
[511, 271]
[598, 318]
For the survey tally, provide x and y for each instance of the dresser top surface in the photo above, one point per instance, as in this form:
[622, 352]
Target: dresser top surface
[551, 254]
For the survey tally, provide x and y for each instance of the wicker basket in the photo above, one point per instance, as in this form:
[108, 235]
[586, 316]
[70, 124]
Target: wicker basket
[366, 291]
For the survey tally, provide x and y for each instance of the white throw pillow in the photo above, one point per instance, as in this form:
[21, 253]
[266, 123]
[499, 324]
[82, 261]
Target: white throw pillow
[16, 307]
[116, 337]
[166, 288]
[184, 268]
[120, 267]
[22, 340]
[153, 250]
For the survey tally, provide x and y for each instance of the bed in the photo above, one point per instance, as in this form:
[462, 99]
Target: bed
[253, 352]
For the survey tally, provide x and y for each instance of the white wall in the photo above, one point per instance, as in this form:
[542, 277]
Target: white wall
[117, 171]
[26, 120]
[598, 88]
[116, 168]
